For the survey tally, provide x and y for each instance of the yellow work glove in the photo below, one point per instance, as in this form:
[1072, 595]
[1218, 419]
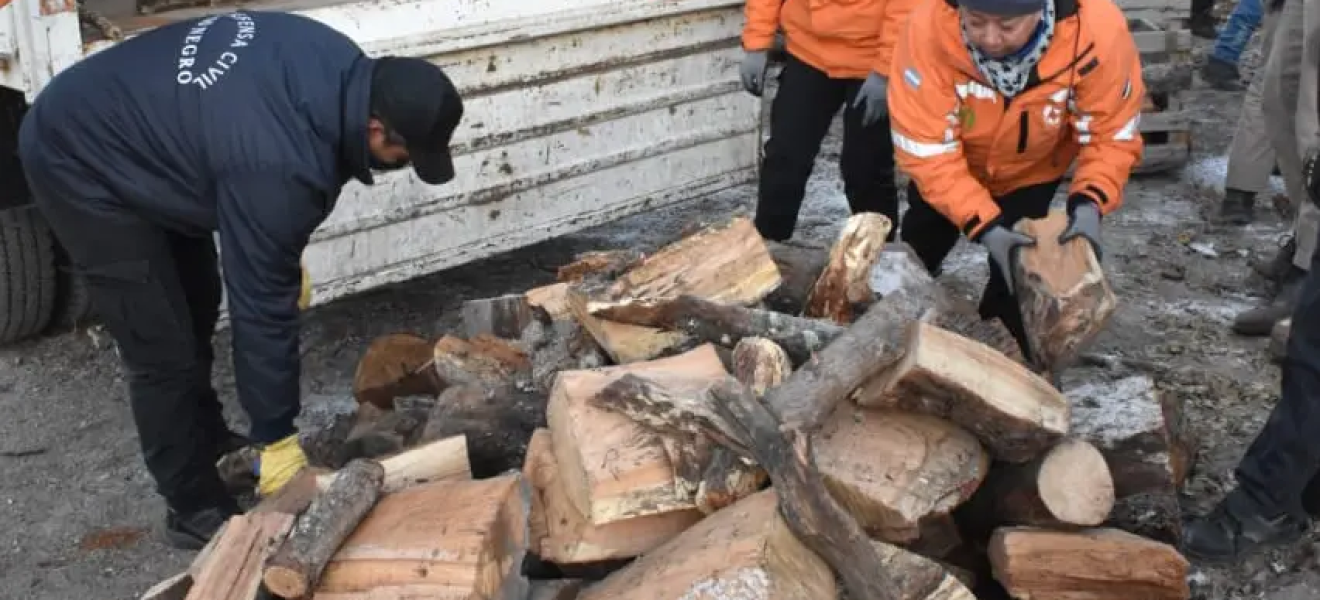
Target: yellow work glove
[280, 461]
[305, 297]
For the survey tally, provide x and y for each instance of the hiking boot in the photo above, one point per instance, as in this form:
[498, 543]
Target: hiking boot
[1278, 266]
[1238, 207]
[192, 530]
[1260, 321]
[1221, 75]
[1228, 534]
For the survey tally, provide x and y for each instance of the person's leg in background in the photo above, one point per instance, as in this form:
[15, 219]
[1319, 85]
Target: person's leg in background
[1221, 66]
[1250, 155]
[1280, 102]
[1307, 129]
[867, 163]
[800, 116]
[1277, 493]
[930, 235]
[998, 301]
[1203, 19]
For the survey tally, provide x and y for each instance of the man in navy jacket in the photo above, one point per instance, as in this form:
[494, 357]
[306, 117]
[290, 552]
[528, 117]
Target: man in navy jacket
[247, 124]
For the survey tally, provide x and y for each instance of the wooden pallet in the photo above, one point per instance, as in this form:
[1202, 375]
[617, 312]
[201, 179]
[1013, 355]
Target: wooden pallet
[1166, 125]
[1166, 13]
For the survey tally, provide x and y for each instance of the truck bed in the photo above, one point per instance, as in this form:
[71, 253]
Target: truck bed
[124, 17]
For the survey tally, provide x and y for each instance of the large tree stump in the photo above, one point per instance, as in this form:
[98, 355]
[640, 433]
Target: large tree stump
[1066, 300]
[1015, 413]
[846, 280]
[1096, 564]
[293, 570]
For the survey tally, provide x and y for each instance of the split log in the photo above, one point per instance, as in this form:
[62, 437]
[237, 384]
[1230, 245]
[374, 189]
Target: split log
[552, 299]
[846, 280]
[458, 362]
[892, 470]
[177, 587]
[1096, 564]
[453, 539]
[1066, 488]
[233, 571]
[799, 268]
[744, 552]
[293, 570]
[395, 365]
[439, 460]
[623, 342]
[604, 264]
[1143, 435]
[1066, 300]
[991, 332]
[505, 351]
[561, 534]
[612, 468]
[502, 316]
[1016, 414]
[936, 581]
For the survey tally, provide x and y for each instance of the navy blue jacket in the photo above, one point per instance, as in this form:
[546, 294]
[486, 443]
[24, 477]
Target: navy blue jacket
[248, 124]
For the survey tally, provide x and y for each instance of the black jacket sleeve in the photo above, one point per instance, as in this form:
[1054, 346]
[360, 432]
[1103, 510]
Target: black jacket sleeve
[265, 220]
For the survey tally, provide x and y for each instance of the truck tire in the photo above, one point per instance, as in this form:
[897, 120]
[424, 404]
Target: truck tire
[27, 274]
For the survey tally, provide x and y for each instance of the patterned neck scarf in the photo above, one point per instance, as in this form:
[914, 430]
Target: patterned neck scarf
[1009, 75]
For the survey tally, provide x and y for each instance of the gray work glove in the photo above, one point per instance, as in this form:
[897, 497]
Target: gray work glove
[1002, 243]
[753, 71]
[1083, 221]
[874, 92]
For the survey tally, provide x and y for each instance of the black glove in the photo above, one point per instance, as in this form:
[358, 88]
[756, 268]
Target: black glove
[1311, 177]
[1083, 221]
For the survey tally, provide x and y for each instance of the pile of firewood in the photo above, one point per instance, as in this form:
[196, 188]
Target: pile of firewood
[747, 420]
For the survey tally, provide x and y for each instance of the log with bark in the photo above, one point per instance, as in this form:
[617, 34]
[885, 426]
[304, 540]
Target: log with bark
[233, 569]
[552, 300]
[561, 534]
[448, 539]
[1065, 298]
[1143, 435]
[1016, 414]
[1067, 487]
[395, 365]
[845, 283]
[723, 263]
[1094, 564]
[611, 466]
[605, 264]
[556, 345]
[744, 552]
[293, 570]
[892, 470]
[439, 460]
[377, 432]
[502, 316]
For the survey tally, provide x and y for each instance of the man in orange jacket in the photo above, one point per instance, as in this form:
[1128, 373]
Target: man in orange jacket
[838, 55]
[992, 102]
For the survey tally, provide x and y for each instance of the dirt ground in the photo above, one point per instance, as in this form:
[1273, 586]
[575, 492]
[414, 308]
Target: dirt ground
[81, 513]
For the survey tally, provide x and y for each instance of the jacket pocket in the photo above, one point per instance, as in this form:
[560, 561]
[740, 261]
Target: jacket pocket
[847, 19]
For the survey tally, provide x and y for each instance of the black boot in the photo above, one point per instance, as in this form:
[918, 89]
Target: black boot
[191, 530]
[1231, 531]
[1260, 321]
[1238, 207]
[1221, 75]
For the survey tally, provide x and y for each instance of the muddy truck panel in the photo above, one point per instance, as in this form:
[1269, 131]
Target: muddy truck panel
[578, 112]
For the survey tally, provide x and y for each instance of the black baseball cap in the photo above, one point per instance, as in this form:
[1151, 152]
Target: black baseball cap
[416, 100]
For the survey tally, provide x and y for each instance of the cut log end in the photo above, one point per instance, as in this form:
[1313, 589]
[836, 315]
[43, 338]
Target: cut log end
[1075, 485]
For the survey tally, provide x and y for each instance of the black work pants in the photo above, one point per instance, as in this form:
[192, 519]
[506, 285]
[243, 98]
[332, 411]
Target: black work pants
[800, 116]
[158, 293]
[1274, 473]
[932, 237]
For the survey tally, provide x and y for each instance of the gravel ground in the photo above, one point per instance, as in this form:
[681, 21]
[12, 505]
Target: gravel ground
[81, 512]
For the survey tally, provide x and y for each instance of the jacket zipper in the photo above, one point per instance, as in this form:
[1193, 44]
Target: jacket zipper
[1022, 132]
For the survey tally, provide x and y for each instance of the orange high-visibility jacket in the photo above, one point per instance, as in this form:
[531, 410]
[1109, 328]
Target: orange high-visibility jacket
[845, 39]
[963, 144]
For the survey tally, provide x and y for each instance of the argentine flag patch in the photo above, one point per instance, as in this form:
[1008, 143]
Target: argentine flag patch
[912, 78]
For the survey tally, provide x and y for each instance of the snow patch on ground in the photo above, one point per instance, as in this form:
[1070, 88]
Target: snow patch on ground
[1208, 173]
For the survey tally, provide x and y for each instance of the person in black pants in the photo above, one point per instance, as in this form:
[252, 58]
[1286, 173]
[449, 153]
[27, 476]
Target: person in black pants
[248, 125]
[1278, 479]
